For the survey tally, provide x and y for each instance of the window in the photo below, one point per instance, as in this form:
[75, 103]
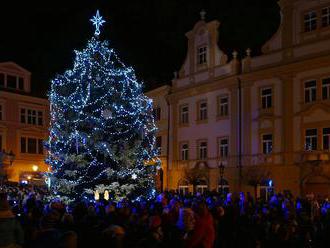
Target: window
[31, 116]
[2, 80]
[311, 139]
[23, 145]
[159, 144]
[223, 147]
[202, 147]
[310, 21]
[326, 17]
[184, 151]
[21, 83]
[31, 145]
[326, 138]
[201, 188]
[267, 143]
[40, 119]
[326, 88]
[184, 114]
[201, 55]
[310, 91]
[266, 98]
[157, 112]
[203, 110]
[23, 116]
[223, 106]
[1, 113]
[11, 81]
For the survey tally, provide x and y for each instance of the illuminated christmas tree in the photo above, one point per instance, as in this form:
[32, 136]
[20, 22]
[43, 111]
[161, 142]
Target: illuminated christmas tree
[102, 129]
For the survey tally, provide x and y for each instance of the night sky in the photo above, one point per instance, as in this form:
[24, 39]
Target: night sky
[147, 34]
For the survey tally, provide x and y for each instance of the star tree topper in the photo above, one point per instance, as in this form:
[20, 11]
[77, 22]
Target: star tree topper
[97, 21]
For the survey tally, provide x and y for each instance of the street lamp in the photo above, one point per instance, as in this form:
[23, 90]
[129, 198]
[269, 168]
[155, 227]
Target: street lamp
[221, 171]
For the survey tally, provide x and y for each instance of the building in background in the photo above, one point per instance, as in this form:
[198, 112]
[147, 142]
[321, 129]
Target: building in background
[265, 118]
[23, 123]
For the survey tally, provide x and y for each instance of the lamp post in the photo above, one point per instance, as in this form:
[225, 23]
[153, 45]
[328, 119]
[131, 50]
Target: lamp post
[221, 171]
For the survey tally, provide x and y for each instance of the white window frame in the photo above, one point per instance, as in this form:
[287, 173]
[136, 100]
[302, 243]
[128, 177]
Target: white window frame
[184, 152]
[202, 55]
[325, 18]
[223, 148]
[265, 97]
[310, 90]
[326, 87]
[267, 144]
[309, 140]
[223, 106]
[31, 116]
[202, 188]
[184, 114]
[309, 18]
[325, 136]
[203, 110]
[183, 189]
[202, 149]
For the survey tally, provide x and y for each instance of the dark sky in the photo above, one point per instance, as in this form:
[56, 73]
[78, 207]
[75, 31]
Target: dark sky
[148, 34]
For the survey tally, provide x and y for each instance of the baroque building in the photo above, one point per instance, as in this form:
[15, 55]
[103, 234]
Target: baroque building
[265, 118]
[23, 123]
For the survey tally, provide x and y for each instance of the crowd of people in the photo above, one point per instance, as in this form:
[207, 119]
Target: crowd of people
[28, 219]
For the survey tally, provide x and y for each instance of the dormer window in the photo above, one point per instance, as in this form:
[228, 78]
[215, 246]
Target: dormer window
[310, 21]
[326, 17]
[201, 55]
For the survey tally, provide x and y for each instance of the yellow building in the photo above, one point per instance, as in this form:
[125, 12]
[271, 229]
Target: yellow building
[23, 122]
[265, 118]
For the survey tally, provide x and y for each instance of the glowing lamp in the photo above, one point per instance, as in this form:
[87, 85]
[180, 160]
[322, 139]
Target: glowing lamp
[29, 177]
[35, 167]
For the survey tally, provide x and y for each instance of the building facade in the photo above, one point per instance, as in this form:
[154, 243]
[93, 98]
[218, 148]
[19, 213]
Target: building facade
[265, 118]
[23, 122]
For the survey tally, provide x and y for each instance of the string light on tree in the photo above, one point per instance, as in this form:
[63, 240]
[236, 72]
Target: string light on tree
[102, 128]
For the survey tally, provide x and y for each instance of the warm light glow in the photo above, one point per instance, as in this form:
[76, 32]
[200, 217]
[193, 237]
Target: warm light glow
[96, 195]
[29, 177]
[35, 167]
[106, 195]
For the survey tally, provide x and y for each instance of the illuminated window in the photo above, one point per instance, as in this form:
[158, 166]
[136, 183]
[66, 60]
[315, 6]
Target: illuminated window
[184, 114]
[267, 143]
[223, 147]
[326, 17]
[266, 98]
[310, 21]
[184, 151]
[202, 55]
[310, 91]
[202, 150]
[223, 109]
[203, 110]
[311, 139]
[326, 88]
[326, 138]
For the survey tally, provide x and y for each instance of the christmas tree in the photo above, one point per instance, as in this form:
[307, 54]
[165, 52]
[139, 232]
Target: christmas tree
[102, 129]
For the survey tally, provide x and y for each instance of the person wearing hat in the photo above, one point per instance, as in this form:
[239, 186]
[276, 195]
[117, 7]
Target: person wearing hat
[11, 233]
